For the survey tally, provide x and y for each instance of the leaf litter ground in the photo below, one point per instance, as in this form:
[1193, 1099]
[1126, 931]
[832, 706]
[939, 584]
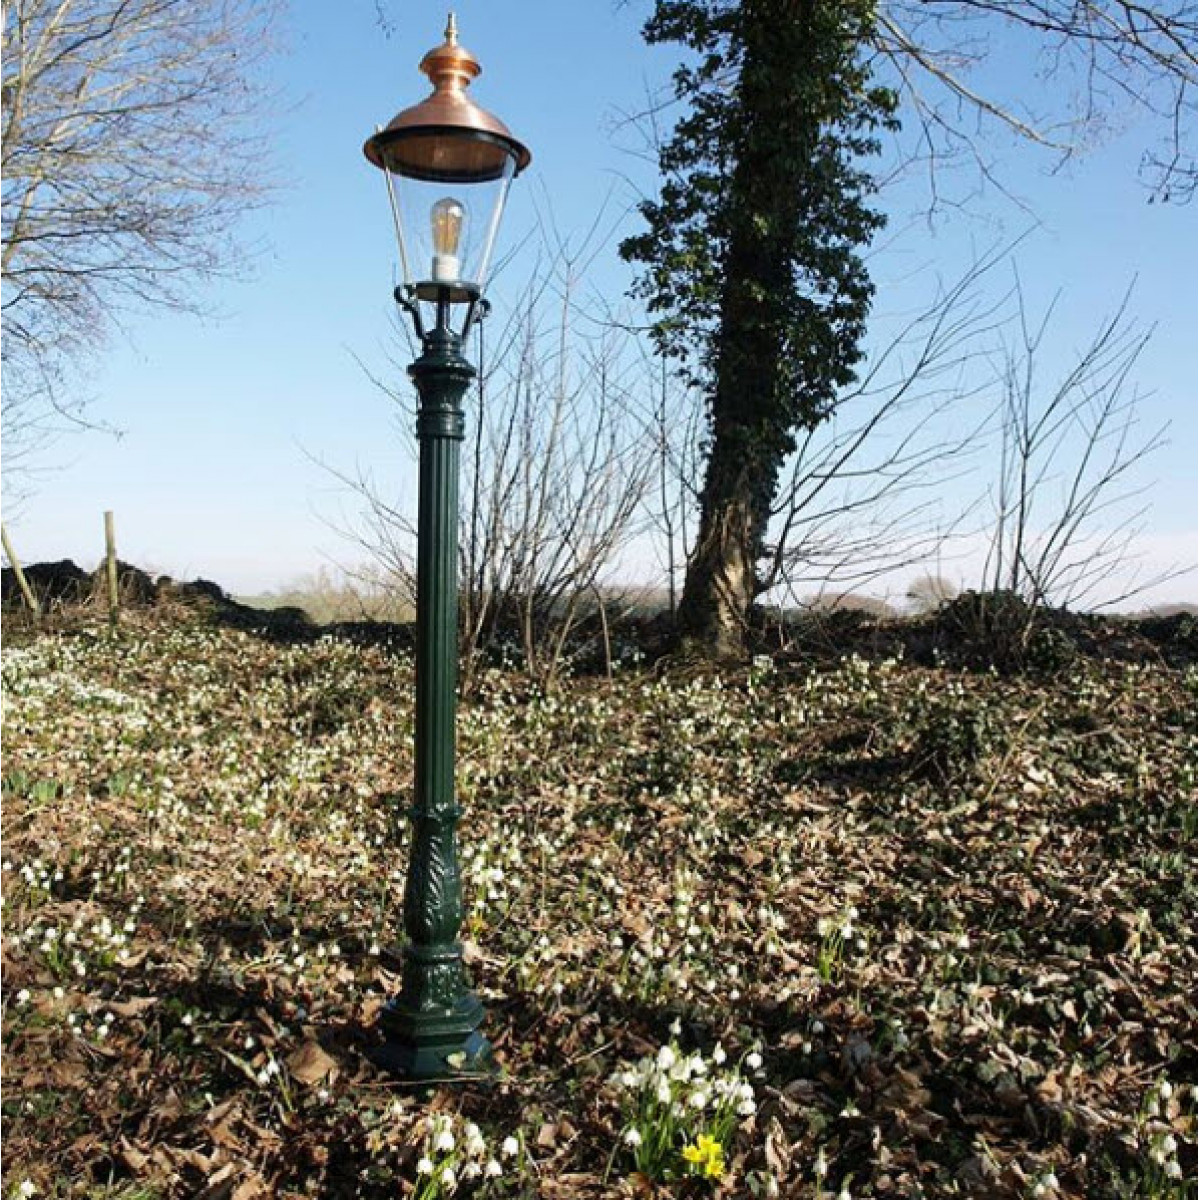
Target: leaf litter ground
[952, 914]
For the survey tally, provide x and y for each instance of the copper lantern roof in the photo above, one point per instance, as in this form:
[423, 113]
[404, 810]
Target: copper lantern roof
[447, 137]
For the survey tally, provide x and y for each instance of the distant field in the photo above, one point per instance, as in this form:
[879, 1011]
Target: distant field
[877, 929]
[327, 607]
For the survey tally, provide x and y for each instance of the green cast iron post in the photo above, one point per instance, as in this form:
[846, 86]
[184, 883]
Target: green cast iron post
[432, 1027]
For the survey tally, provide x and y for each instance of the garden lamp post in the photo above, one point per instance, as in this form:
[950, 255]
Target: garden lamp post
[448, 165]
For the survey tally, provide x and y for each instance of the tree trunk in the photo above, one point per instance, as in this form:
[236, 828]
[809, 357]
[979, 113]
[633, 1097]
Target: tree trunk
[720, 585]
[750, 442]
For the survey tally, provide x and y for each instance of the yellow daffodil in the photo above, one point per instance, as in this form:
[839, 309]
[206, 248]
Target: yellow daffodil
[707, 1154]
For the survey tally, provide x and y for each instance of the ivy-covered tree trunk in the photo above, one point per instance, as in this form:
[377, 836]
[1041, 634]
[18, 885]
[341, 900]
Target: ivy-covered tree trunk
[746, 451]
[752, 259]
[748, 444]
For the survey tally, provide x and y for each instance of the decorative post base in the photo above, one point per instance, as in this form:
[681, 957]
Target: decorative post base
[432, 1027]
[435, 1047]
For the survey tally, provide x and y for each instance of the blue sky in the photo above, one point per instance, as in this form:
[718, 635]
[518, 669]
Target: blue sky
[221, 418]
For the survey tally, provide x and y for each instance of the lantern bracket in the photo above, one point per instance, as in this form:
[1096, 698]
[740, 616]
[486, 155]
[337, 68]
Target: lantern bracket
[408, 295]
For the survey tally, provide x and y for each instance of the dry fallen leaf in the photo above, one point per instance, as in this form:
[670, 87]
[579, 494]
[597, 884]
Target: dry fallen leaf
[310, 1064]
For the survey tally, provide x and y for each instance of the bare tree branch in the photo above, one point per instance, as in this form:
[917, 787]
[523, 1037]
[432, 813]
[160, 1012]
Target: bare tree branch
[128, 154]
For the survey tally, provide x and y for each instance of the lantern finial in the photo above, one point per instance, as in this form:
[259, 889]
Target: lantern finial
[450, 66]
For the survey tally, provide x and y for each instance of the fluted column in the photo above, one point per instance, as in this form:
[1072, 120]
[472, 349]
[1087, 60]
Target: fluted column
[432, 1026]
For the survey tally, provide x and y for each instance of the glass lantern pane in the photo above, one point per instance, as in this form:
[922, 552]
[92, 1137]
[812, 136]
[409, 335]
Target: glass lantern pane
[446, 228]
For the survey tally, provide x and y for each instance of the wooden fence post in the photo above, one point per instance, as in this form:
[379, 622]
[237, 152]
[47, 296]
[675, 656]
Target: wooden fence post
[23, 583]
[110, 558]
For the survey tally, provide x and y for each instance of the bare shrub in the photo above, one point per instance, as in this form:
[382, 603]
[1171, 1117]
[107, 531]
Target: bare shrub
[555, 469]
[1068, 501]
[927, 593]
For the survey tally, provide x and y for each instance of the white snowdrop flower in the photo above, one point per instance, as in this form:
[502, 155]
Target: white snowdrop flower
[424, 1166]
[963, 942]
[28, 1187]
[1174, 1170]
[818, 1027]
[1169, 1144]
[718, 1054]
[632, 1138]
[1165, 1090]
[493, 1170]
[666, 1058]
[510, 1147]
[59, 993]
[676, 1027]
[852, 912]
[23, 996]
[187, 1018]
[444, 1141]
[821, 1167]
[846, 930]
[754, 1060]
[747, 1108]
[663, 1092]
[449, 1179]
[844, 1194]
[471, 1170]
[698, 1099]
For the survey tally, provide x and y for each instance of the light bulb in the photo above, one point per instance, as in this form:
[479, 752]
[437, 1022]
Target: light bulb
[446, 220]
